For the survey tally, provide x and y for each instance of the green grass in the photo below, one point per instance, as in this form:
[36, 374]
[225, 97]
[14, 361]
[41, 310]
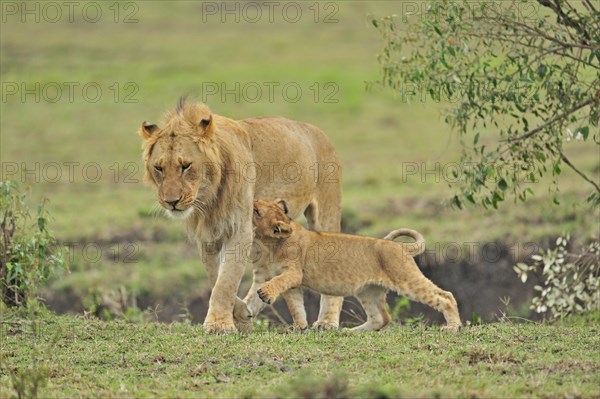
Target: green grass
[84, 358]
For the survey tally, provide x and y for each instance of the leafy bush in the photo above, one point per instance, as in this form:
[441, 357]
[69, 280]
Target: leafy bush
[572, 281]
[521, 78]
[29, 253]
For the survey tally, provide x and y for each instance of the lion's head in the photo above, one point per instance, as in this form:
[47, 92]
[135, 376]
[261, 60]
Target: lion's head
[271, 219]
[181, 159]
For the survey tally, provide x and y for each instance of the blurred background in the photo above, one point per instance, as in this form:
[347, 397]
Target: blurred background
[78, 81]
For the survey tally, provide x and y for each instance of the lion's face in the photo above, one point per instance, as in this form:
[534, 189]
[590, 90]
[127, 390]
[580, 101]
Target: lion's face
[177, 158]
[270, 219]
[176, 168]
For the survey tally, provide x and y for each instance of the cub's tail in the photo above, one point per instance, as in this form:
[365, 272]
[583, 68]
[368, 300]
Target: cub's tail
[413, 248]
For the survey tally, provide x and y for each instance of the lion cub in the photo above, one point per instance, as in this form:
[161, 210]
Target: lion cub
[343, 265]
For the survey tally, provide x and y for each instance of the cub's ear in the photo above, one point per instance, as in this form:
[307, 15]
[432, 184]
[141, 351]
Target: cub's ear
[206, 126]
[283, 205]
[282, 230]
[147, 130]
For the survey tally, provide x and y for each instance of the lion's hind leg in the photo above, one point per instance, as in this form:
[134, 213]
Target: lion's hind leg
[372, 298]
[417, 287]
[324, 214]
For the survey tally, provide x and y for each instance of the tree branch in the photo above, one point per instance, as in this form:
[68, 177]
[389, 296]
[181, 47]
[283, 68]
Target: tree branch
[580, 173]
[564, 19]
[589, 5]
[551, 121]
[537, 32]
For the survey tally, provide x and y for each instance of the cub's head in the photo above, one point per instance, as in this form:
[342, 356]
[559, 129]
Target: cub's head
[271, 220]
[182, 159]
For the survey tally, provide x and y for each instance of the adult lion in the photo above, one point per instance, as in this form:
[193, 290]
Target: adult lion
[208, 169]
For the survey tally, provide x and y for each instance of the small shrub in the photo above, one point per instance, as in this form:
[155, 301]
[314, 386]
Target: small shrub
[28, 381]
[572, 281]
[29, 253]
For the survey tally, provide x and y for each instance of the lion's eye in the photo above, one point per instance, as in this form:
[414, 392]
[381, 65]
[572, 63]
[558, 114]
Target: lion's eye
[256, 212]
[186, 166]
[158, 168]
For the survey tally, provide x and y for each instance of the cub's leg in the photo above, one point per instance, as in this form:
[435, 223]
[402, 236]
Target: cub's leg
[412, 283]
[289, 278]
[325, 215]
[263, 273]
[295, 303]
[372, 299]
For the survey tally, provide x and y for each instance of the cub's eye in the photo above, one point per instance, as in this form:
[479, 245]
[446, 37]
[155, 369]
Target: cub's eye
[158, 168]
[186, 166]
[256, 212]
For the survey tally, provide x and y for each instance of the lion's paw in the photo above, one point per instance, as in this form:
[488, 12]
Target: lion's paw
[264, 296]
[242, 317]
[325, 325]
[214, 325]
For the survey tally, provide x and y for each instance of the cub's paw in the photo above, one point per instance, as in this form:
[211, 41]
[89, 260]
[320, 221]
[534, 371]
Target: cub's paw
[300, 327]
[325, 325]
[265, 296]
[451, 328]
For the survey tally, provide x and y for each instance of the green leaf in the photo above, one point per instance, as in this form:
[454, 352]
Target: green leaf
[556, 169]
[555, 200]
[542, 69]
[476, 139]
[502, 184]
[456, 202]
[585, 131]
[41, 223]
[437, 30]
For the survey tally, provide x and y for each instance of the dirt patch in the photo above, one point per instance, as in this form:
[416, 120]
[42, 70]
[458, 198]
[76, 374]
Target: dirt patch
[480, 284]
[477, 356]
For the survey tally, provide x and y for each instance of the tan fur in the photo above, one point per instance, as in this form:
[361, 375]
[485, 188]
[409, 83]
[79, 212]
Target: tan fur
[343, 264]
[207, 169]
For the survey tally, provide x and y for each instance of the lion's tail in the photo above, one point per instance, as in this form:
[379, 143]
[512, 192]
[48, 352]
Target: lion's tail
[414, 248]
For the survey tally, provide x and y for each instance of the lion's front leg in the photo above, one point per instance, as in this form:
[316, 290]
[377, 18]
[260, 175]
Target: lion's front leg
[242, 315]
[261, 273]
[255, 304]
[224, 304]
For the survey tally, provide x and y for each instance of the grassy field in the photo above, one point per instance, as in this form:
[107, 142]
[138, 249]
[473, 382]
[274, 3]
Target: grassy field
[85, 358]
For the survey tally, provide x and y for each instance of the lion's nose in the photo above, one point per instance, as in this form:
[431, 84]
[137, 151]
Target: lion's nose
[173, 203]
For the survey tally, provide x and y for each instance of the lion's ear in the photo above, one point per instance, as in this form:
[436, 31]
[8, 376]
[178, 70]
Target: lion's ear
[206, 126]
[147, 130]
[283, 205]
